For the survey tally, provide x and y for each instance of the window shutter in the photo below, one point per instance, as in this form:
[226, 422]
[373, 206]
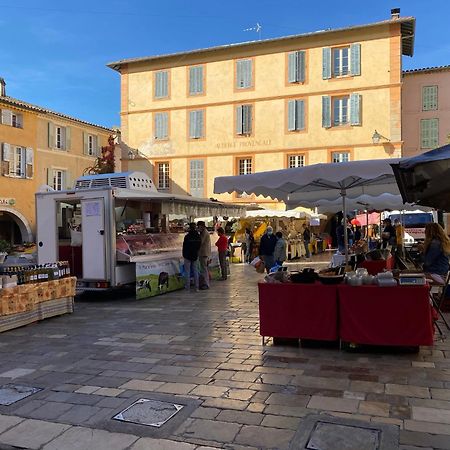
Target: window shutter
[326, 111]
[425, 133]
[165, 125]
[355, 59]
[51, 135]
[161, 84]
[434, 133]
[85, 143]
[67, 180]
[98, 147]
[355, 109]
[239, 120]
[243, 73]
[291, 115]
[161, 125]
[29, 162]
[196, 80]
[68, 139]
[192, 124]
[301, 66]
[300, 114]
[19, 120]
[199, 123]
[292, 67]
[6, 152]
[50, 177]
[326, 63]
[6, 117]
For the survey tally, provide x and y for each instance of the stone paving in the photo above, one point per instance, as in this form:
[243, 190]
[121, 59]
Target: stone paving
[203, 350]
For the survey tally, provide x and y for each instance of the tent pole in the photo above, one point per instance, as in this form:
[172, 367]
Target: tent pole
[367, 225]
[344, 212]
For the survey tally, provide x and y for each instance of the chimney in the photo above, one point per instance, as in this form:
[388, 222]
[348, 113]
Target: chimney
[395, 13]
[2, 87]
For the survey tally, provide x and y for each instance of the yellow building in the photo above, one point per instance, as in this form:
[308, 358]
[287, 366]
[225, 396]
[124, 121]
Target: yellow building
[265, 105]
[39, 147]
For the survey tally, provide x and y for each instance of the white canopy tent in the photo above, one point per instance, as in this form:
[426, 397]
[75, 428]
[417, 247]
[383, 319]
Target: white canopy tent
[302, 186]
[278, 213]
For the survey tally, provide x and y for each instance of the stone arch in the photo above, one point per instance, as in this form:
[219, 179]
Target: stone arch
[21, 221]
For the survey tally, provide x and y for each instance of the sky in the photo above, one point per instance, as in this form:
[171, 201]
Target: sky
[54, 53]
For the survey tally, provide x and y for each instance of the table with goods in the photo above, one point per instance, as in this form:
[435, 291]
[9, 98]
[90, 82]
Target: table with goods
[29, 293]
[391, 308]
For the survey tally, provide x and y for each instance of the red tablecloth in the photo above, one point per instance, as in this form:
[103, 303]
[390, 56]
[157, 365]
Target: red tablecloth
[399, 316]
[374, 267]
[290, 310]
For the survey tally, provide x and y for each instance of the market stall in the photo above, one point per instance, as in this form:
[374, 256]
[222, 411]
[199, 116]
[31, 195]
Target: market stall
[115, 229]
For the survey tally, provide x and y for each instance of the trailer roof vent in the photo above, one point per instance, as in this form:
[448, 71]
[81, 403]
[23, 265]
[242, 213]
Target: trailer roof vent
[128, 180]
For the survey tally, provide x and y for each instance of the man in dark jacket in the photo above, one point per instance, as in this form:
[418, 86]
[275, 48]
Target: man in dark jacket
[267, 247]
[191, 247]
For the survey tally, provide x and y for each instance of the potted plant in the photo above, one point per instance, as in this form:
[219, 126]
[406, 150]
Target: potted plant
[5, 248]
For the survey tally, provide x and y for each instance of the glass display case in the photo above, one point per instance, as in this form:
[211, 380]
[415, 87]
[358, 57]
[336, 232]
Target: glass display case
[140, 247]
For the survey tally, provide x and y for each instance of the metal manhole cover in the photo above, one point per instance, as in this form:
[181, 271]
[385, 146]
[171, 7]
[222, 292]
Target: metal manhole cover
[12, 393]
[149, 412]
[330, 436]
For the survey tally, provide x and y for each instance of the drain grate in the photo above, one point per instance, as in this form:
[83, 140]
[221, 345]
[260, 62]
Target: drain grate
[12, 393]
[153, 413]
[330, 436]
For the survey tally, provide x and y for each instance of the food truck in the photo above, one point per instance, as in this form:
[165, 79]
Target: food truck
[114, 230]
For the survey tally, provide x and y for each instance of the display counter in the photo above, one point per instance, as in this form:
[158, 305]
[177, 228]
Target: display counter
[374, 315]
[28, 303]
[304, 311]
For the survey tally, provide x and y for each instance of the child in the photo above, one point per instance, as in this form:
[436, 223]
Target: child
[222, 247]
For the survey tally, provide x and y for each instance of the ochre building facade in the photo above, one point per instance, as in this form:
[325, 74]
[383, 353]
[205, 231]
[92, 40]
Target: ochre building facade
[265, 105]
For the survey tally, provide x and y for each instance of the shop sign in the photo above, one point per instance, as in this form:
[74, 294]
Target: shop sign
[244, 144]
[7, 201]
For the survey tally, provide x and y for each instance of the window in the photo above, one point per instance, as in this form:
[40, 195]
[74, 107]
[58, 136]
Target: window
[339, 157]
[340, 111]
[59, 178]
[244, 166]
[91, 144]
[429, 133]
[244, 74]
[16, 161]
[196, 124]
[12, 119]
[196, 80]
[60, 137]
[197, 177]
[429, 98]
[341, 61]
[163, 176]
[244, 120]
[296, 67]
[296, 115]
[296, 161]
[161, 81]
[161, 125]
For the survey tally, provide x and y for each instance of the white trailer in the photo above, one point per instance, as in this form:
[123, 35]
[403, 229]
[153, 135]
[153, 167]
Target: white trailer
[96, 211]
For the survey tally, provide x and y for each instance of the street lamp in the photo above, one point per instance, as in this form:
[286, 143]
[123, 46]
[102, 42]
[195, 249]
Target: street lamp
[377, 136]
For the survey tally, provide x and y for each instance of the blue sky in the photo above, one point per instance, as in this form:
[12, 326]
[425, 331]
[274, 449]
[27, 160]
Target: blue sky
[54, 53]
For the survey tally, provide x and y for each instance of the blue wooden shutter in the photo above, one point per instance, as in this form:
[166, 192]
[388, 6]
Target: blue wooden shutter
[196, 177]
[192, 124]
[239, 121]
[165, 125]
[355, 59]
[355, 109]
[292, 67]
[326, 111]
[200, 123]
[161, 84]
[291, 115]
[300, 114]
[301, 66]
[161, 125]
[243, 73]
[196, 80]
[247, 119]
[326, 63]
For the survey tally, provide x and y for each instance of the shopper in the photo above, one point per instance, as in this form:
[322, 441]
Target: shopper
[279, 253]
[399, 237]
[306, 239]
[267, 247]
[388, 234]
[191, 247]
[249, 244]
[222, 247]
[204, 254]
[436, 252]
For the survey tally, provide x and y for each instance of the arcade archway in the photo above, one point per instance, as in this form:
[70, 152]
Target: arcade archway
[14, 226]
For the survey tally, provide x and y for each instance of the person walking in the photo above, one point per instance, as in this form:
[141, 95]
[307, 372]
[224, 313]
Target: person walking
[267, 247]
[399, 234]
[222, 248]
[388, 236]
[204, 254]
[306, 240]
[249, 243]
[279, 253]
[191, 247]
